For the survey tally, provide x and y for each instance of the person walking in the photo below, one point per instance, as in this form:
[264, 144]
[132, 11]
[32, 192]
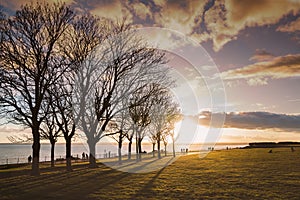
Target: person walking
[29, 159]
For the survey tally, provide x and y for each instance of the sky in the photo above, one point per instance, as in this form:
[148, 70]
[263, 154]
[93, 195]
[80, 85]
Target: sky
[253, 46]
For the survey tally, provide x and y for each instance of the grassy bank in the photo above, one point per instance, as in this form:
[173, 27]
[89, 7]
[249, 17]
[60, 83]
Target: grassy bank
[227, 174]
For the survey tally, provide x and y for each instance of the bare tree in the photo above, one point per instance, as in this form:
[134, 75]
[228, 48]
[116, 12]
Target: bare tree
[119, 128]
[161, 117]
[80, 39]
[173, 116]
[50, 131]
[140, 106]
[129, 137]
[63, 115]
[30, 56]
[118, 68]
[153, 141]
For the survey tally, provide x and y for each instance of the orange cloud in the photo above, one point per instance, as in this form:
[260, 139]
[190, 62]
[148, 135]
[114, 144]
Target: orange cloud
[254, 120]
[113, 9]
[141, 10]
[261, 55]
[16, 4]
[225, 20]
[221, 23]
[260, 72]
[182, 16]
[290, 27]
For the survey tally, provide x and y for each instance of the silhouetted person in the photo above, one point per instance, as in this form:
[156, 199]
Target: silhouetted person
[86, 156]
[271, 151]
[29, 159]
[83, 155]
[292, 149]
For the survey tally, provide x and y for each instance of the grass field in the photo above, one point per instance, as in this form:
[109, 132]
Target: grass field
[226, 174]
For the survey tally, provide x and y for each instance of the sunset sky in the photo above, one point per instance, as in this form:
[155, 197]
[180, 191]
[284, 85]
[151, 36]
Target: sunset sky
[254, 44]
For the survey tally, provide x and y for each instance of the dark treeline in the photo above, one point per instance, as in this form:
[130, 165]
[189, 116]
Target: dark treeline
[64, 72]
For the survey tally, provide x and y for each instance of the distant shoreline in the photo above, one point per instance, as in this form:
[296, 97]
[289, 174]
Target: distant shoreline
[272, 144]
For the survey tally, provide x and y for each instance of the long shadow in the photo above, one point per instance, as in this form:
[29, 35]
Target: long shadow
[78, 184]
[69, 186]
[140, 167]
[148, 187]
[121, 164]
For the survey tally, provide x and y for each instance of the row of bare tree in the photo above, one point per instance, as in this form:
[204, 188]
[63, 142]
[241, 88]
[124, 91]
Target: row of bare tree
[64, 73]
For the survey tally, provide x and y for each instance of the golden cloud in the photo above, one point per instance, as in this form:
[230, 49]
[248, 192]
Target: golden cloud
[290, 27]
[221, 23]
[113, 9]
[225, 20]
[182, 16]
[141, 10]
[262, 55]
[254, 120]
[278, 67]
[16, 4]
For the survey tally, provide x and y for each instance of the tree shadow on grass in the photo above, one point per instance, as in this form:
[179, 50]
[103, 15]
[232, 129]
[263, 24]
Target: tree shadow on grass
[81, 183]
[60, 184]
[146, 190]
[144, 166]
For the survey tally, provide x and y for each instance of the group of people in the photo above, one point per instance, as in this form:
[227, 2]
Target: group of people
[184, 150]
[85, 156]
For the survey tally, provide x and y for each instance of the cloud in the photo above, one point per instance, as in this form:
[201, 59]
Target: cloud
[113, 9]
[141, 10]
[261, 55]
[224, 21]
[276, 68]
[16, 4]
[255, 120]
[290, 27]
[218, 21]
[183, 16]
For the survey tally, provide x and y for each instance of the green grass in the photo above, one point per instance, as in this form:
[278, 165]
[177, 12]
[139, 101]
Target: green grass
[227, 174]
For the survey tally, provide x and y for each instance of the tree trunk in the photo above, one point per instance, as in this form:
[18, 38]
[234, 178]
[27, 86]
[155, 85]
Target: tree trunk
[119, 151]
[153, 149]
[52, 152]
[68, 155]
[137, 148]
[35, 151]
[140, 145]
[158, 148]
[165, 149]
[129, 149]
[173, 144]
[92, 158]
[140, 148]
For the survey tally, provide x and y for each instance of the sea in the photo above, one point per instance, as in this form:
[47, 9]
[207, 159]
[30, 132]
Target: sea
[11, 153]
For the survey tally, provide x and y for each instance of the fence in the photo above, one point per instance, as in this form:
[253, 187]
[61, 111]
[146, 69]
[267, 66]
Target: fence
[75, 158]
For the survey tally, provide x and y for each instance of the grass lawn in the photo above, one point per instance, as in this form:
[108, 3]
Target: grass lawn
[226, 174]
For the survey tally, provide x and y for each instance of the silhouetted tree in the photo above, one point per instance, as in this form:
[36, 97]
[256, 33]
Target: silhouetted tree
[160, 115]
[80, 39]
[31, 61]
[140, 106]
[153, 141]
[51, 132]
[119, 129]
[173, 116]
[129, 137]
[119, 67]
